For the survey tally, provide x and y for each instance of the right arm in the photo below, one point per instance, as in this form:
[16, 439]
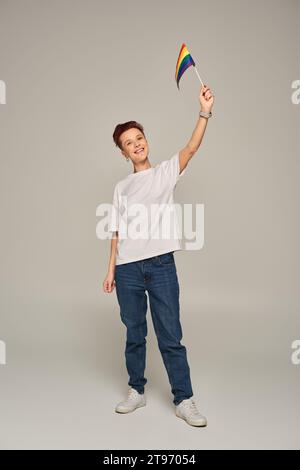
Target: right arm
[109, 281]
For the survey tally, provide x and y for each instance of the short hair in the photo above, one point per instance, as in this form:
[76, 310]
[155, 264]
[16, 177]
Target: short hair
[120, 128]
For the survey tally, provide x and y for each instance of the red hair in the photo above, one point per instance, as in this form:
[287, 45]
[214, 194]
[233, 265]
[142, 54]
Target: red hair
[120, 128]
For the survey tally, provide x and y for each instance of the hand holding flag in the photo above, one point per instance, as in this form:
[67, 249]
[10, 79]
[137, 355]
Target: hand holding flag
[184, 61]
[206, 99]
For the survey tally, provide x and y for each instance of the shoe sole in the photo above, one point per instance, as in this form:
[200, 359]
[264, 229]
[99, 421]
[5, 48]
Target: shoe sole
[130, 411]
[196, 425]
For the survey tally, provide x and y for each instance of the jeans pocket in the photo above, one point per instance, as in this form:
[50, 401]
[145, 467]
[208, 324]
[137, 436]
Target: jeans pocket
[167, 258]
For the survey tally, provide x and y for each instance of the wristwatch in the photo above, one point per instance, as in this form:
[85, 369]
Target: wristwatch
[206, 115]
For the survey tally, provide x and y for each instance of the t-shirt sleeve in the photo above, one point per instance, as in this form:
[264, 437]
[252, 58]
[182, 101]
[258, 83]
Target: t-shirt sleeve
[113, 224]
[171, 168]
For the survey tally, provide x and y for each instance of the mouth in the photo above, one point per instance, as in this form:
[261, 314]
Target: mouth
[137, 152]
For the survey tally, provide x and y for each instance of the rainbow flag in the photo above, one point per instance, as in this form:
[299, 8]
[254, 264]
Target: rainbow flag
[184, 61]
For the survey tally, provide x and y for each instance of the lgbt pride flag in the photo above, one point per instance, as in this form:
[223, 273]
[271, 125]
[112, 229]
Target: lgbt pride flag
[184, 61]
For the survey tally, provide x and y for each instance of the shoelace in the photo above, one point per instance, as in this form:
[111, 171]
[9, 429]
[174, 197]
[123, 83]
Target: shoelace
[132, 393]
[191, 407]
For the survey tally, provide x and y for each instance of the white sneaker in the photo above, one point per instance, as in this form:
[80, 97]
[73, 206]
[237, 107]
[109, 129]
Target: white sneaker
[134, 400]
[188, 411]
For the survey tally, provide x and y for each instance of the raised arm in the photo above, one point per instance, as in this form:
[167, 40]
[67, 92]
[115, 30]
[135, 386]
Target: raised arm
[206, 99]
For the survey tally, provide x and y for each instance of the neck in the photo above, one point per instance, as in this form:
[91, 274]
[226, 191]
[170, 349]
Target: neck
[142, 166]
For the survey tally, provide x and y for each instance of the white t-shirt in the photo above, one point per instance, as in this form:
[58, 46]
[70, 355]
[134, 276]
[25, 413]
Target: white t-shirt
[144, 214]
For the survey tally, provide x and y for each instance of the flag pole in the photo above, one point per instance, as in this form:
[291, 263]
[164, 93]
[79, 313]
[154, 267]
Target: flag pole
[198, 75]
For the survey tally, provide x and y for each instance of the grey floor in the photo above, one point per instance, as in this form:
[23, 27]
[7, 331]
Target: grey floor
[60, 393]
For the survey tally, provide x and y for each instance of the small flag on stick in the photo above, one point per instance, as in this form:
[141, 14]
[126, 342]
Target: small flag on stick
[184, 61]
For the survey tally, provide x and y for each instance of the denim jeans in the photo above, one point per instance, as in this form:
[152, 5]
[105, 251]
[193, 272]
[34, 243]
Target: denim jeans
[158, 276]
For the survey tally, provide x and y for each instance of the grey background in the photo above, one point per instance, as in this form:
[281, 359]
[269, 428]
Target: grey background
[73, 70]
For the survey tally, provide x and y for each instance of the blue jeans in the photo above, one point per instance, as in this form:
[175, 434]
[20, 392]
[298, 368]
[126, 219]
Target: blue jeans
[158, 276]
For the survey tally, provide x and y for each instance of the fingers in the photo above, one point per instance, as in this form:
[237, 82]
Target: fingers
[108, 286]
[206, 92]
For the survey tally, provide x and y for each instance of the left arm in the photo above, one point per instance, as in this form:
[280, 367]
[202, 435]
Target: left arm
[206, 101]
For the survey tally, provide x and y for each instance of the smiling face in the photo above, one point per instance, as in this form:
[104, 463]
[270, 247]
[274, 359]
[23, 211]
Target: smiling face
[134, 145]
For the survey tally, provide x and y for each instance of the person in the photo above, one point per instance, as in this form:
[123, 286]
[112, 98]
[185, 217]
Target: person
[140, 262]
